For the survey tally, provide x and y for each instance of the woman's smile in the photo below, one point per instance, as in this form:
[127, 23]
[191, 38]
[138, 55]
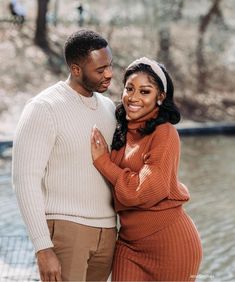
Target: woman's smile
[139, 96]
[134, 108]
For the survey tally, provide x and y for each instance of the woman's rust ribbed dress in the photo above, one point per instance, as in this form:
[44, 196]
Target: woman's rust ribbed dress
[157, 239]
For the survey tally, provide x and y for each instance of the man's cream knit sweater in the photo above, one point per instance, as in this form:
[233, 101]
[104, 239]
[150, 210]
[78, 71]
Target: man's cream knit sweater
[53, 174]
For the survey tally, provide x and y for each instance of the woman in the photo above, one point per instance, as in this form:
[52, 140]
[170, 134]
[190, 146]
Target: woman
[157, 239]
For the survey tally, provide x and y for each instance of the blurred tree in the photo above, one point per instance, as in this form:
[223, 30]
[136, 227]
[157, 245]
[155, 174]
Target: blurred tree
[213, 12]
[178, 14]
[169, 13]
[56, 9]
[40, 38]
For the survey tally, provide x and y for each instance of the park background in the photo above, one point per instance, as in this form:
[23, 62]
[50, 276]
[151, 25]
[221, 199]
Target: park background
[195, 40]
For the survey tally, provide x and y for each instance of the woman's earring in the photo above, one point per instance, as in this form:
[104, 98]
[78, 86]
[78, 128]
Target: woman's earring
[159, 102]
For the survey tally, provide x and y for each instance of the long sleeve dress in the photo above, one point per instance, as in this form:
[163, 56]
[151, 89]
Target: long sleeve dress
[148, 197]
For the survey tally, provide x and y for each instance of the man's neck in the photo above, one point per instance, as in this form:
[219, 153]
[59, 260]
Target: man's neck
[78, 88]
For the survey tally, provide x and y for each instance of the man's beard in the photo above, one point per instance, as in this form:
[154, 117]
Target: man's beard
[88, 85]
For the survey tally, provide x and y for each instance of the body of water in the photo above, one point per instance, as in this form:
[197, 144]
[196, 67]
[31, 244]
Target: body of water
[207, 168]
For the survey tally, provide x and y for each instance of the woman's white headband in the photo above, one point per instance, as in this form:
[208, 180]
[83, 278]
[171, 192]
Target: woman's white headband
[155, 67]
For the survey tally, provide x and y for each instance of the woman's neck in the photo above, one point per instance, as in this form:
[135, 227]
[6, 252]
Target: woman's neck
[135, 124]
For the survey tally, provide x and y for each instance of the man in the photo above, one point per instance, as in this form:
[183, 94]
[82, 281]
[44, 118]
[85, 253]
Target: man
[17, 11]
[65, 202]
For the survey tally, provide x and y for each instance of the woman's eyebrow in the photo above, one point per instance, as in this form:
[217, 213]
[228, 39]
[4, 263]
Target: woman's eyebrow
[147, 85]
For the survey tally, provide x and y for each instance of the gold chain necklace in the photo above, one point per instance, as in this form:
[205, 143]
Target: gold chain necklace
[85, 102]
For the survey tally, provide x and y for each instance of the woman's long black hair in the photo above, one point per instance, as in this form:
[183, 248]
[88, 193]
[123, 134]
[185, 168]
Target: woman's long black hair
[168, 111]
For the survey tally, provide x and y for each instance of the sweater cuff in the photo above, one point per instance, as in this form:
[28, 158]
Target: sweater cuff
[107, 168]
[42, 243]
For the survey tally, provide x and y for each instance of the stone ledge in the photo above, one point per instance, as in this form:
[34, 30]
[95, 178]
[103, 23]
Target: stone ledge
[190, 128]
[187, 128]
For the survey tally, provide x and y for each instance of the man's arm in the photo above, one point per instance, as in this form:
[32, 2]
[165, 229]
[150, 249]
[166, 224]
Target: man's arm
[34, 139]
[33, 142]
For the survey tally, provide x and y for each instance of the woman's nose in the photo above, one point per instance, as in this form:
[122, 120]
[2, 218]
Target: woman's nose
[133, 96]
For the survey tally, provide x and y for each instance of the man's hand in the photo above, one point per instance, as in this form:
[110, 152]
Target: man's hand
[49, 265]
[98, 144]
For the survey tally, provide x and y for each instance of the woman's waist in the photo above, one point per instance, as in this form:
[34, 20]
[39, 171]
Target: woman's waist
[165, 204]
[136, 224]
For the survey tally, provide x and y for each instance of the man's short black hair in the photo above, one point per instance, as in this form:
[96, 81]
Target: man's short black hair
[79, 44]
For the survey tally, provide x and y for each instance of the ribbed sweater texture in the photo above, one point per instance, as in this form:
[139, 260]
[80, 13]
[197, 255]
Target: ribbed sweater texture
[53, 174]
[144, 174]
[157, 240]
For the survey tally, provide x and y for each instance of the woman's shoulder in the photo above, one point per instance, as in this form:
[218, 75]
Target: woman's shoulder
[166, 127]
[166, 131]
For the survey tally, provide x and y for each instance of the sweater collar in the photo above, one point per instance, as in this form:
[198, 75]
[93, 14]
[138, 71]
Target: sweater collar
[136, 124]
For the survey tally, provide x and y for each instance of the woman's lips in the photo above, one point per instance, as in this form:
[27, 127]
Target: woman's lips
[134, 108]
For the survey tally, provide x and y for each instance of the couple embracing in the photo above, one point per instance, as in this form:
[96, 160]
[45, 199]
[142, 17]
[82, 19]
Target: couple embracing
[78, 161]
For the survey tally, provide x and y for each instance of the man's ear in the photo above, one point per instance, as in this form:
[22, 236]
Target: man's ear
[75, 69]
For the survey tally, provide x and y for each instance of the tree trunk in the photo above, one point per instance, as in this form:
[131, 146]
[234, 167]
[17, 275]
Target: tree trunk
[164, 54]
[178, 13]
[200, 53]
[173, 11]
[41, 24]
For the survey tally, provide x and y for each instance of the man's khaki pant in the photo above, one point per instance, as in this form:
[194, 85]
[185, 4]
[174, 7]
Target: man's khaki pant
[85, 252]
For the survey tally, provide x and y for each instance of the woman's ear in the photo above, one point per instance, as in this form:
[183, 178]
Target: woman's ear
[162, 96]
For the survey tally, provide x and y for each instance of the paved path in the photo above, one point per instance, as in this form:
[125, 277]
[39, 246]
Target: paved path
[17, 260]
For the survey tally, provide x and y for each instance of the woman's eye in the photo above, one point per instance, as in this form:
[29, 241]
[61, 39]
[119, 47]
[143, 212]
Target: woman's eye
[144, 92]
[129, 89]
